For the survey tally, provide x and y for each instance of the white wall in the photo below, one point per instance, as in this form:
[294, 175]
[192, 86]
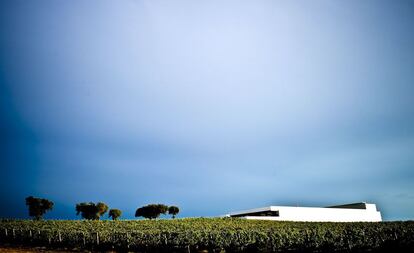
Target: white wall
[287, 213]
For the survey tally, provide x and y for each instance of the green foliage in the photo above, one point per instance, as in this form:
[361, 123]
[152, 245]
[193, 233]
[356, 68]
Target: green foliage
[215, 235]
[91, 211]
[115, 214]
[151, 211]
[173, 210]
[38, 207]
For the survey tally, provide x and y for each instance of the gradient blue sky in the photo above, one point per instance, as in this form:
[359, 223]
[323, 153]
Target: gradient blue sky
[209, 105]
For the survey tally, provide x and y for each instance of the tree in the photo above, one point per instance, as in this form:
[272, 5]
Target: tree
[91, 211]
[173, 210]
[151, 211]
[38, 207]
[115, 213]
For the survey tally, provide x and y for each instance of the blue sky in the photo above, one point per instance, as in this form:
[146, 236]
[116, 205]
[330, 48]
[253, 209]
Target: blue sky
[213, 106]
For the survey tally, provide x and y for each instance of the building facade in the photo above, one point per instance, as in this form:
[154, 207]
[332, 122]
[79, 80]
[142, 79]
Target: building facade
[355, 212]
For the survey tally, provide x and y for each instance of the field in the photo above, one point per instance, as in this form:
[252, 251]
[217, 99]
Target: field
[212, 235]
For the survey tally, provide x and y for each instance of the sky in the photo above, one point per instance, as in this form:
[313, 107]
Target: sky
[213, 106]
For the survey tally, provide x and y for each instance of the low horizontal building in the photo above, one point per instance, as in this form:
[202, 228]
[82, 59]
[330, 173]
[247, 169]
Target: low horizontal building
[341, 213]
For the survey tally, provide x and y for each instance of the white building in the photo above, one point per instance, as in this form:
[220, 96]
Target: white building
[341, 213]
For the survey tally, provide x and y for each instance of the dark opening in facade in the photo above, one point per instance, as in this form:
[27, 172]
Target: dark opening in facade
[262, 213]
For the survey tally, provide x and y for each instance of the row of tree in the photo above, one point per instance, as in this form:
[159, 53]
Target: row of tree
[91, 211]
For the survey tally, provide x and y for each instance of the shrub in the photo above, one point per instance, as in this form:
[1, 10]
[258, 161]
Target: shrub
[115, 213]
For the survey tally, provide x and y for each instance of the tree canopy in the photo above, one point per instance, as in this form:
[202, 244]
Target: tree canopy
[151, 211]
[38, 207]
[91, 211]
[173, 210]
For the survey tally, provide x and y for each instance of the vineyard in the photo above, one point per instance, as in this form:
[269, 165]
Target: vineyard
[212, 235]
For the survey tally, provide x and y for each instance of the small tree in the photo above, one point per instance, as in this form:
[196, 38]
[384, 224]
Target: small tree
[91, 211]
[38, 207]
[173, 210]
[115, 214]
[102, 208]
[151, 211]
